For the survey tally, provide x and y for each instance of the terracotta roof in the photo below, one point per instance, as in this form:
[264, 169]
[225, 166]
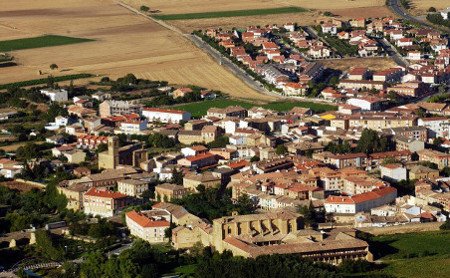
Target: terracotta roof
[105, 194]
[200, 157]
[146, 222]
[363, 197]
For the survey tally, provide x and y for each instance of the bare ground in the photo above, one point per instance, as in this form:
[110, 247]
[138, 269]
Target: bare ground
[124, 43]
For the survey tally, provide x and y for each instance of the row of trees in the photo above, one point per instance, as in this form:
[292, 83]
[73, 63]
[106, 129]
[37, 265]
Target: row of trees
[370, 142]
[145, 260]
[212, 203]
[436, 18]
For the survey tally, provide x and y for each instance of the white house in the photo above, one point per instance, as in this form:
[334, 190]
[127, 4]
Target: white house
[414, 55]
[133, 126]
[148, 225]
[444, 13]
[289, 27]
[367, 103]
[193, 150]
[437, 126]
[404, 42]
[329, 28]
[56, 95]
[165, 115]
[394, 172]
[360, 202]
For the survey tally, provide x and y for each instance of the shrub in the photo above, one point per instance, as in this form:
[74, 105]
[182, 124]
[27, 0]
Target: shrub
[144, 9]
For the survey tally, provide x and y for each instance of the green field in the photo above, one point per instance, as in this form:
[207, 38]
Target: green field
[41, 81]
[234, 13]
[199, 109]
[414, 255]
[38, 42]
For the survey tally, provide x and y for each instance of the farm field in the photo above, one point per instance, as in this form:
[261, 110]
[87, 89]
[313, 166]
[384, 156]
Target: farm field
[199, 109]
[40, 81]
[38, 42]
[421, 6]
[341, 8]
[415, 254]
[233, 13]
[123, 43]
[372, 63]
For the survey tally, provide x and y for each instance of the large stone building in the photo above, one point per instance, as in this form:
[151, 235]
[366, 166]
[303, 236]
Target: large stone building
[104, 203]
[272, 233]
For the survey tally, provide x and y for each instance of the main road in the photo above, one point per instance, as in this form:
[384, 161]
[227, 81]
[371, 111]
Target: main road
[397, 8]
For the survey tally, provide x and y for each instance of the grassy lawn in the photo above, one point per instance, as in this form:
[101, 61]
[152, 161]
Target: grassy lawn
[199, 109]
[37, 42]
[230, 13]
[424, 254]
[41, 81]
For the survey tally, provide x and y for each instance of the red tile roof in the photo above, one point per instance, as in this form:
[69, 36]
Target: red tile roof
[104, 194]
[361, 198]
[200, 157]
[146, 222]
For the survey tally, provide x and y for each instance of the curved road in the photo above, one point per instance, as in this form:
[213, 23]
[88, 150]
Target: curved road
[397, 8]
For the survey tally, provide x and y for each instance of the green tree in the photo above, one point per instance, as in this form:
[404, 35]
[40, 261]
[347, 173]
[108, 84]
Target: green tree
[445, 226]
[254, 158]
[220, 142]
[144, 9]
[102, 147]
[46, 247]
[281, 150]
[309, 215]
[370, 142]
[177, 177]
[53, 66]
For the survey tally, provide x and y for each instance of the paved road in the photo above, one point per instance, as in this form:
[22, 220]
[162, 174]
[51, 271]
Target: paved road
[232, 67]
[397, 8]
[213, 53]
[393, 53]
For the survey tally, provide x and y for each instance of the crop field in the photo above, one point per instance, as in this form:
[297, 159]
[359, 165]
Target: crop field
[123, 42]
[342, 8]
[199, 109]
[375, 63]
[415, 254]
[235, 13]
[421, 6]
[41, 81]
[37, 42]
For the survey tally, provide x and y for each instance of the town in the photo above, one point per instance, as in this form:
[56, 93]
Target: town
[139, 177]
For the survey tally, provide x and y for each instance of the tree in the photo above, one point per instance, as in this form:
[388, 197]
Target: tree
[245, 205]
[438, 141]
[168, 231]
[177, 177]
[254, 158]
[102, 147]
[446, 225]
[144, 9]
[281, 150]
[445, 171]
[53, 66]
[45, 245]
[309, 214]
[370, 142]
[432, 10]
[220, 142]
